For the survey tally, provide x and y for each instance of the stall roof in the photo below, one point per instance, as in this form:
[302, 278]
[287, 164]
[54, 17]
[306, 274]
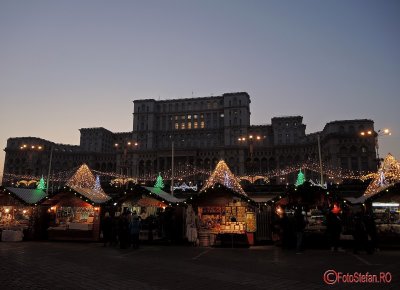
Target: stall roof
[262, 199]
[93, 195]
[164, 195]
[357, 200]
[28, 195]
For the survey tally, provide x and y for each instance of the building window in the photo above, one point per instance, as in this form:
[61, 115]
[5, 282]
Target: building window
[189, 125]
[176, 126]
[195, 116]
[195, 125]
[202, 124]
[183, 126]
[183, 117]
[176, 117]
[189, 117]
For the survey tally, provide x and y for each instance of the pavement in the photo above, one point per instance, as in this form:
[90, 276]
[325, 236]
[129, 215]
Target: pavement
[61, 265]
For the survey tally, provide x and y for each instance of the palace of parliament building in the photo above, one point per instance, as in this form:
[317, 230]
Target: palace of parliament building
[201, 131]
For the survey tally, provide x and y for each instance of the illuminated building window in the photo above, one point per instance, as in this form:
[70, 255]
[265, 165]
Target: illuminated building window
[183, 126]
[189, 117]
[202, 124]
[176, 126]
[195, 125]
[176, 117]
[183, 117]
[189, 125]
[201, 116]
[195, 116]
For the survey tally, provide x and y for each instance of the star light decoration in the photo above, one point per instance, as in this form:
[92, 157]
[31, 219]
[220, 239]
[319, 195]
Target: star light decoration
[387, 175]
[223, 175]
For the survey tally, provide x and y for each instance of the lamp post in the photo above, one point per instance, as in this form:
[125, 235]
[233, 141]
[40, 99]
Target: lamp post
[172, 167]
[48, 172]
[379, 133]
[320, 160]
[39, 148]
[250, 140]
[123, 163]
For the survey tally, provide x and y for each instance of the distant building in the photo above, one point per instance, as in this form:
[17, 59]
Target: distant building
[202, 130]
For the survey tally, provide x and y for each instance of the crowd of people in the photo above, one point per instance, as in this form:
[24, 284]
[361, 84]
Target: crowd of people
[122, 230]
[291, 228]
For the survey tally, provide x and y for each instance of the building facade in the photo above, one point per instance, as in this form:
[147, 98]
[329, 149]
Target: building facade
[199, 132]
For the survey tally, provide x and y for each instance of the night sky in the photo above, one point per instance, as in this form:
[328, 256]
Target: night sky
[66, 65]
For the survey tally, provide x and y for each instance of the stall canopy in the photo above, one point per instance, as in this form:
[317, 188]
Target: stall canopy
[85, 184]
[163, 195]
[27, 195]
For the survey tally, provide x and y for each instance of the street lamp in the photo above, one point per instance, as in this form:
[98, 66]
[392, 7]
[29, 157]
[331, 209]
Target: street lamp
[379, 133]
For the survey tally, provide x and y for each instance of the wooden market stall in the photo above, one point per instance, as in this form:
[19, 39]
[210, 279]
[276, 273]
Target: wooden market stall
[73, 213]
[17, 210]
[382, 200]
[226, 215]
[150, 203]
[316, 203]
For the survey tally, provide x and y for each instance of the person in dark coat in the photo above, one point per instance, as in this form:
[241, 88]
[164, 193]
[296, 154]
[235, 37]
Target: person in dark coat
[106, 228]
[123, 231]
[334, 229]
[372, 235]
[134, 228]
[299, 225]
[359, 233]
[285, 229]
[114, 229]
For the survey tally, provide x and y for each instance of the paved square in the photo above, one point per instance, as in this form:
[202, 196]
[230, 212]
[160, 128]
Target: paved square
[45, 265]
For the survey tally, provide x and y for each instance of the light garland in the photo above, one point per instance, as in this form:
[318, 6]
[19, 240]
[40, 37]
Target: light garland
[191, 172]
[223, 175]
[26, 182]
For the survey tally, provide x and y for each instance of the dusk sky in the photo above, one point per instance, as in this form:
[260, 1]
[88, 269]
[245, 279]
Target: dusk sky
[66, 65]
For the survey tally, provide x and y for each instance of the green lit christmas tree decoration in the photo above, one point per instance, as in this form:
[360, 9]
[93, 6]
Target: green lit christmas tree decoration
[300, 178]
[159, 182]
[41, 185]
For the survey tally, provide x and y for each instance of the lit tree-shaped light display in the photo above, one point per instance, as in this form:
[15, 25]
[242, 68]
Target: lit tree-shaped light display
[159, 182]
[300, 178]
[223, 175]
[84, 182]
[83, 178]
[387, 175]
[41, 185]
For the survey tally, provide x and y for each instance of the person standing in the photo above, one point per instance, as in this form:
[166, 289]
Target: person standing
[334, 229]
[106, 228]
[300, 225]
[134, 228]
[360, 233]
